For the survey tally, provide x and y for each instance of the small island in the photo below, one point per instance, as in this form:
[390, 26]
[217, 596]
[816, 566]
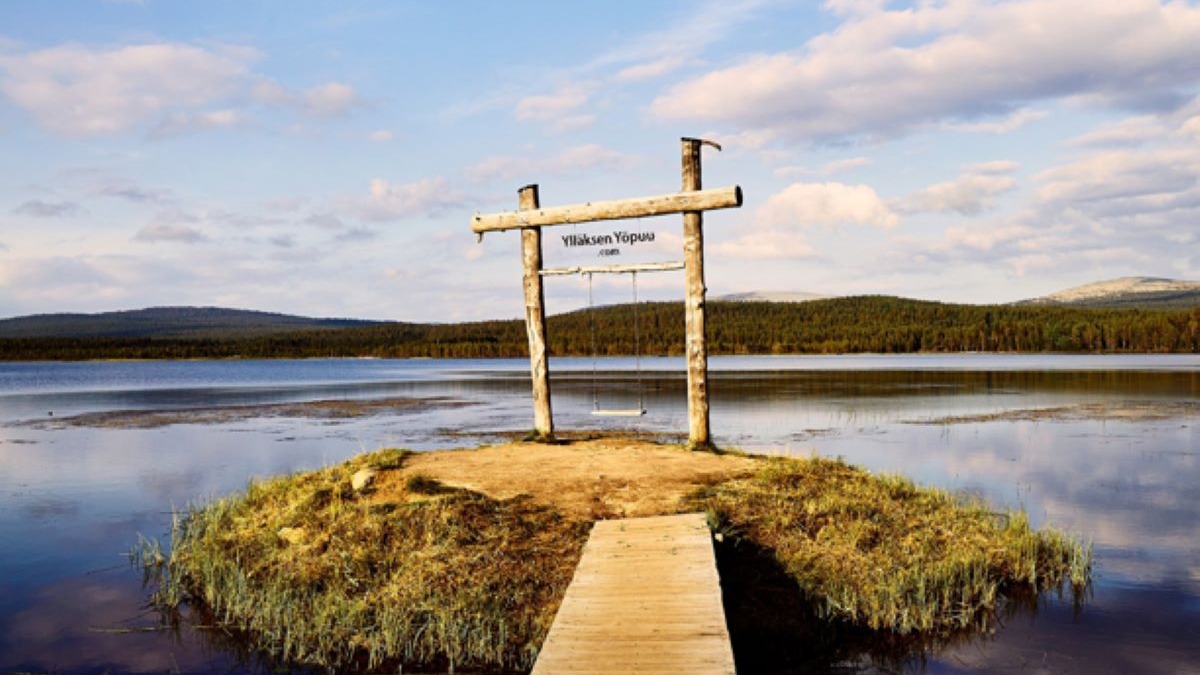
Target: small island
[459, 559]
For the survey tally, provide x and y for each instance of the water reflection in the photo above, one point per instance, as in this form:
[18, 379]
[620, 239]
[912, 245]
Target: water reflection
[74, 499]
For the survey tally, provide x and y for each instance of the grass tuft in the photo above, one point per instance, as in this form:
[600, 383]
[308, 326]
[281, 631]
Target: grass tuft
[879, 552]
[323, 577]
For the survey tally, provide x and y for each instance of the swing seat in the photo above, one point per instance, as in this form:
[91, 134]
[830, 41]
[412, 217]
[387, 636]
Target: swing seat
[631, 412]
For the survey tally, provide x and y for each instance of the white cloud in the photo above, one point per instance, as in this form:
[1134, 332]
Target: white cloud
[854, 7]
[1005, 125]
[986, 237]
[532, 169]
[162, 232]
[830, 204]
[969, 194]
[559, 109]
[650, 69]
[827, 169]
[766, 245]
[658, 52]
[41, 209]
[1125, 182]
[356, 234]
[138, 194]
[994, 167]
[182, 122]
[1130, 131]
[393, 201]
[325, 221]
[331, 99]
[43, 275]
[381, 136]
[1105, 213]
[882, 73]
[543, 107]
[79, 91]
[270, 92]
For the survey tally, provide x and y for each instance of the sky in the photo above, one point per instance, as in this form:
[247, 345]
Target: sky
[326, 159]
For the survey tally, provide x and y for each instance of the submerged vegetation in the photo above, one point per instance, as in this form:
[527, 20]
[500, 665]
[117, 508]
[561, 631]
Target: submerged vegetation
[877, 324]
[366, 566]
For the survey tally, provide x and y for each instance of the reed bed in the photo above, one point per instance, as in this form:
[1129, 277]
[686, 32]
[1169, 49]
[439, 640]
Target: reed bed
[881, 553]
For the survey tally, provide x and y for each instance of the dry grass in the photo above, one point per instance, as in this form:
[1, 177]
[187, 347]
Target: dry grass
[322, 575]
[882, 553]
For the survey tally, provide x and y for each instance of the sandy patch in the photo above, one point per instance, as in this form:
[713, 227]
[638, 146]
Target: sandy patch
[605, 478]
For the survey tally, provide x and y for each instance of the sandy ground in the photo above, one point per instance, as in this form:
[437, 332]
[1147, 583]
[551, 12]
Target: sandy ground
[601, 478]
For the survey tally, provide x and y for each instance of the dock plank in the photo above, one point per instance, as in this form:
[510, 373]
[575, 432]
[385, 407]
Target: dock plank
[645, 598]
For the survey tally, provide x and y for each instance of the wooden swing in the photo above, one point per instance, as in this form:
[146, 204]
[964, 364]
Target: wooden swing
[632, 270]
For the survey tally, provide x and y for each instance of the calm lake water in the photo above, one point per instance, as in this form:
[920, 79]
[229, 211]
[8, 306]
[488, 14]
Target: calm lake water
[1116, 460]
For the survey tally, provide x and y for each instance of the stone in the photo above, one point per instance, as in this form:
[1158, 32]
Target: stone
[362, 479]
[292, 535]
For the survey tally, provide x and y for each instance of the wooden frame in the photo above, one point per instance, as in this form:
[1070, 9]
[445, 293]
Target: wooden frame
[692, 201]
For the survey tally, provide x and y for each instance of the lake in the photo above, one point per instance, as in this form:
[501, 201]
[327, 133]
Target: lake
[1107, 447]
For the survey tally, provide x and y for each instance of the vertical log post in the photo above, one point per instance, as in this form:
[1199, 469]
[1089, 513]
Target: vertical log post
[696, 344]
[535, 317]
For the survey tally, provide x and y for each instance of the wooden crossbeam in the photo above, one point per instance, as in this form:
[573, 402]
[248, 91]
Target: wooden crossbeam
[615, 269]
[639, 207]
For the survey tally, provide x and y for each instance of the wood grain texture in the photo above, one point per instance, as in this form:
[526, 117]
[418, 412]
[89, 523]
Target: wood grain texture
[696, 344]
[645, 598]
[535, 317]
[620, 209]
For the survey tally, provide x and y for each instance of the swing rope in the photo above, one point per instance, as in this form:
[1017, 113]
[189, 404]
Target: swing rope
[637, 343]
[637, 352]
[592, 325]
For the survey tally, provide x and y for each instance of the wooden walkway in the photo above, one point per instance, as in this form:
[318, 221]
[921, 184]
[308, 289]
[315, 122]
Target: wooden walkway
[645, 599]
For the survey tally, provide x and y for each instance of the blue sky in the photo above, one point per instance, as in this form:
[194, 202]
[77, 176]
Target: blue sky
[325, 158]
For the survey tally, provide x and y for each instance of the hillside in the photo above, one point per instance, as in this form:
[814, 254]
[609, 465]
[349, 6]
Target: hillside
[1143, 292]
[863, 324]
[166, 322]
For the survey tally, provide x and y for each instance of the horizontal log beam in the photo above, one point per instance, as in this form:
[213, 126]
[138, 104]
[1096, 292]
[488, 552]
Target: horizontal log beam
[614, 269]
[640, 207]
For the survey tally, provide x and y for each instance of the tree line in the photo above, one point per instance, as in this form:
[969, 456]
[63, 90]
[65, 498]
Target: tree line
[865, 324]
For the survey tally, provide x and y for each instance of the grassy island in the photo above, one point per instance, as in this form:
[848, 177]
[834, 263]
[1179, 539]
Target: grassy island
[459, 559]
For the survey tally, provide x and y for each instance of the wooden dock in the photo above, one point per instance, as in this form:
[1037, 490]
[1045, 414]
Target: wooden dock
[645, 598]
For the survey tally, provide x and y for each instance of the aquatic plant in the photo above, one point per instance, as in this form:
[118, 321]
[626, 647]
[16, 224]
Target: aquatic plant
[880, 552]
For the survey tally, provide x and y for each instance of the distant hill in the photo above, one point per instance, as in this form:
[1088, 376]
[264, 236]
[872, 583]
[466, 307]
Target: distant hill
[851, 325]
[1131, 292]
[770, 296]
[167, 322]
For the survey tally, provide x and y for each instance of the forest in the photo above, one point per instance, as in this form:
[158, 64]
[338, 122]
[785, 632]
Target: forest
[864, 324]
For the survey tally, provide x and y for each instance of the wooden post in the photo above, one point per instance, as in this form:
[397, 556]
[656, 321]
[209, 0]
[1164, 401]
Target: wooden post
[535, 317]
[696, 344]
